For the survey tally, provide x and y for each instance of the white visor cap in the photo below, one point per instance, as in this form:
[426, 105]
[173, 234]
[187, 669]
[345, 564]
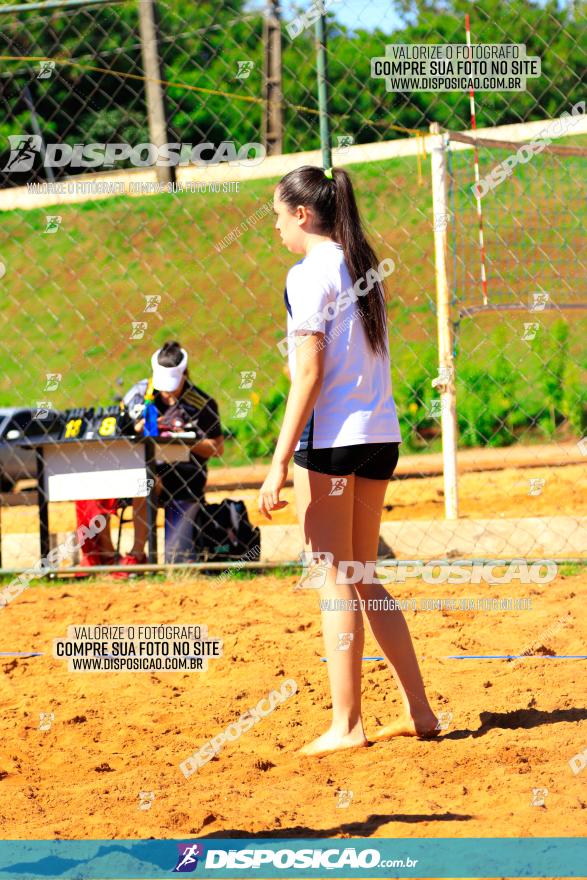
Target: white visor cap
[168, 378]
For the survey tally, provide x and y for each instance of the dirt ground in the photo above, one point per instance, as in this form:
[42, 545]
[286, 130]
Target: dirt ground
[513, 728]
[482, 495]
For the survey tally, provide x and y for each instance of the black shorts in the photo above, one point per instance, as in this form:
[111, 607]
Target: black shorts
[376, 461]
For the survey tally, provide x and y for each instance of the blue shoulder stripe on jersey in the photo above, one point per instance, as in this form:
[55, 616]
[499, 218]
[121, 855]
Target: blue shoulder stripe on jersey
[307, 437]
[286, 301]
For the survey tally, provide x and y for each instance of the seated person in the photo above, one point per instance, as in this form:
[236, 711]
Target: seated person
[99, 549]
[181, 406]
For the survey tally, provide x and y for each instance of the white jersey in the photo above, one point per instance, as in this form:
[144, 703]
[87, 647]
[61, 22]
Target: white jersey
[355, 404]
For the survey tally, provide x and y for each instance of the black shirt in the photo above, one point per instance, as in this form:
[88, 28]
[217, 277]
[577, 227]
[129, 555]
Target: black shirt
[197, 412]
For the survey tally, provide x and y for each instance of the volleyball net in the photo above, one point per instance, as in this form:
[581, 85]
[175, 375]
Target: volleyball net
[533, 209]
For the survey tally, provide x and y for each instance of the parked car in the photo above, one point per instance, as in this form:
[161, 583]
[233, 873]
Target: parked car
[17, 463]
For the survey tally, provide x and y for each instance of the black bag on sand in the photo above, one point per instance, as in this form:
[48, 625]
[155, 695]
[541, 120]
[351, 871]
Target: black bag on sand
[224, 532]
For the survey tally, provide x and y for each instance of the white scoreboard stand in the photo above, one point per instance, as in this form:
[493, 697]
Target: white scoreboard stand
[120, 467]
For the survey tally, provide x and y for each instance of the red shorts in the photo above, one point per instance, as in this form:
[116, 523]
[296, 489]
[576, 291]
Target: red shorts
[85, 512]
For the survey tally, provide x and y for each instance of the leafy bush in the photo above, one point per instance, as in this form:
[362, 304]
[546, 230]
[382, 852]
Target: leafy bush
[257, 435]
[496, 406]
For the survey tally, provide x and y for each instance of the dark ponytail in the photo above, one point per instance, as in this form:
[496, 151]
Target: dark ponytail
[171, 356]
[337, 215]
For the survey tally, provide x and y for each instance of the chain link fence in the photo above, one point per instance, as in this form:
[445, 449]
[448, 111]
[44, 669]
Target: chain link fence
[105, 257]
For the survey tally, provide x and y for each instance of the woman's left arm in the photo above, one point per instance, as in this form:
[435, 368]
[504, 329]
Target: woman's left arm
[303, 394]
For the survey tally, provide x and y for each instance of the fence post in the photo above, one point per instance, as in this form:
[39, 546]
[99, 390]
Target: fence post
[445, 382]
[272, 93]
[28, 99]
[322, 67]
[154, 95]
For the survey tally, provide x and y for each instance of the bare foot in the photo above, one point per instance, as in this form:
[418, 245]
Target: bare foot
[424, 728]
[332, 741]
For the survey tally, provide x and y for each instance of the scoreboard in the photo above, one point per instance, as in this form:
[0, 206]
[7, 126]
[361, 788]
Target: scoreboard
[94, 423]
[123, 466]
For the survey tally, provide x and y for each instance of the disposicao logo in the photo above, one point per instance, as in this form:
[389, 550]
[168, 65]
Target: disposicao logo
[24, 149]
[187, 860]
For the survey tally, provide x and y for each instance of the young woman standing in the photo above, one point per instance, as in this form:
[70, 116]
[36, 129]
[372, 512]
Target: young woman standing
[340, 422]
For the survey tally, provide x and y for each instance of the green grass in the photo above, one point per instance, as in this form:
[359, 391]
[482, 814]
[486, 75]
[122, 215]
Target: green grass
[70, 298]
[575, 569]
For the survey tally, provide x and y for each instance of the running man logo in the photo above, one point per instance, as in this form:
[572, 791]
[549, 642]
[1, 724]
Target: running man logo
[152, 302]
[530, 330]
[52, 383]
[539, 301]
[316, 565]
[242, 408]
[538, 797]
[441, 220]
[46, 69]
[44, 407]
[23, 151]
[345, 797]
[187, 860]
[344, 142]
[146, 799]
[437, 406]
[244, 69]
[536, 486]
[46, 719]
[138, 329]
[444, 719]
[344, 641]
[53, 224]
[144, 487]
[247, 378]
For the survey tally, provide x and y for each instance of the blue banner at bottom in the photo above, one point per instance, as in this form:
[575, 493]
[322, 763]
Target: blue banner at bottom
[284, 857]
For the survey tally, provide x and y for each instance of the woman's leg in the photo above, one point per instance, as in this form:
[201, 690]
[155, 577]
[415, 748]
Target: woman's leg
[104, 538]
[326, 523]
[389, 627]
[139, 518]
[140, 521]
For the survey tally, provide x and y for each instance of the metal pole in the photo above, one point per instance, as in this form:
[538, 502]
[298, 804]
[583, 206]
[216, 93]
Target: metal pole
[476, 163]
[272, 94]
[43, 502]
[322, 65]
[151, 500]
[28, 99]
[153, 85]
[445, 382]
